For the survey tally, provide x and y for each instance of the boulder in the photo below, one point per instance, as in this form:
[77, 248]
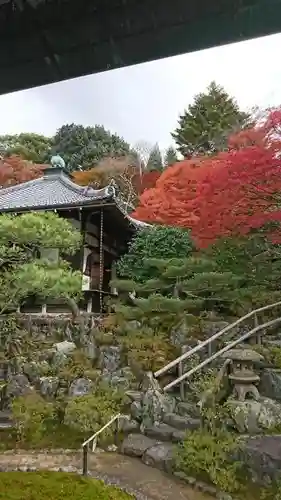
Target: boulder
[270, 384]
[154, 402]
[90, 350]
[186, 409]
[255, 416]
[135, 445]
[128, 425]
[121, 379]
[134, 395]
[80, 387]
[35, 369]
[182, 423]
[18, 385]
[136, 410]
[48, 386]
[262, 454]
[160, 456]
[178, 436]
[161, 432]
[65, 347]
[109, 358]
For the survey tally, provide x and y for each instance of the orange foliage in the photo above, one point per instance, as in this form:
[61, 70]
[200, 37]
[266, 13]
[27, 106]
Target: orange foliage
[171, 200]
[15, 170]
[234, 192]
[124, 173]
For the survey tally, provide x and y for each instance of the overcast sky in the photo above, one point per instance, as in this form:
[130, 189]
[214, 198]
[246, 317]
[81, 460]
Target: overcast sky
[143, 102]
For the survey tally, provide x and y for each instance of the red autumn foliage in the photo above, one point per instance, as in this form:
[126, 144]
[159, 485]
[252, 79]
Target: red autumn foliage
[232, 193]
[145, 181]
[15, 170]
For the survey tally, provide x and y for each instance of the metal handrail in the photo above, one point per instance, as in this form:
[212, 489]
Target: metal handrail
[220, 352]
[94, 438]
[216, 336]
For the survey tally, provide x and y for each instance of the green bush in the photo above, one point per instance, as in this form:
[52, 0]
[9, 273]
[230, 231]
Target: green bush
[55, 486]
[89, 413]
[159, 242]
[31, 415]
[206, 456]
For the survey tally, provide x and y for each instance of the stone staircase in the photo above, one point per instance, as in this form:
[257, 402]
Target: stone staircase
[247, 329]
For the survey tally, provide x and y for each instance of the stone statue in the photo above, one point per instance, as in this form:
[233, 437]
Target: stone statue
[57, 162]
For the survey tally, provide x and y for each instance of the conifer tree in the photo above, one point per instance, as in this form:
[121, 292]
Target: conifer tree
[204, 127]
[155, 159]
[170, 157]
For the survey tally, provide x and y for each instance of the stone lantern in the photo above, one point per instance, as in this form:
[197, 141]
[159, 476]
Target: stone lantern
[242, 375]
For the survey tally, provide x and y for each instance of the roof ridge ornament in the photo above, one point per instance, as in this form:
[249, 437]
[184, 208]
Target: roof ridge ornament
[57, 162]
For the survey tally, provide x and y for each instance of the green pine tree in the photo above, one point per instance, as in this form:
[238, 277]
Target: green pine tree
[204, 127]
[85, 147]
[155, 161]
[179, 293]
[170, 157]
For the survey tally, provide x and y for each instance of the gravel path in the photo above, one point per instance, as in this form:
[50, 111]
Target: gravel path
[130, 474]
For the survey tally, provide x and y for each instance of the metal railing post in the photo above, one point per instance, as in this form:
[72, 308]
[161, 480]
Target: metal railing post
[85, 460]
[180, 373]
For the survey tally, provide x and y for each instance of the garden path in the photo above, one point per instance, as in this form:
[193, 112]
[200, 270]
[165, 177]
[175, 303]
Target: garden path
[128, 473]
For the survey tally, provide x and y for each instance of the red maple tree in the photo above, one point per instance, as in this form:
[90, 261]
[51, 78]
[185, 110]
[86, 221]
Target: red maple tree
[234, 192]
[15, 170]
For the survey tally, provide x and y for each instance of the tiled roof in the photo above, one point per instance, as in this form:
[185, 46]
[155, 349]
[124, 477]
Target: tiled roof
[54, 189]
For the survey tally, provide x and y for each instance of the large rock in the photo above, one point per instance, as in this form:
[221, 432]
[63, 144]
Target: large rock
[135, 445]
[182, 423]
[160, 456]
[109, 358]
[262, 454]
[91, 351]
[62, 351]
[35, 369]
[255, 416]
[19, 385]
[270, 384]
[65, 347]
[128, 425]
[186, 409]
[161, 432]
[155, 404]
[136, 410]
[48, 386]
[121, 379]
[80, 387]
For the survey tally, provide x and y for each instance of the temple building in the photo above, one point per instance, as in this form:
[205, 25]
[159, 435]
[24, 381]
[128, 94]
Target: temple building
[98, 214]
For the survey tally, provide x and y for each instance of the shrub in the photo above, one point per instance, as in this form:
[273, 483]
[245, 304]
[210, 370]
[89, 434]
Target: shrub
[89, 413]
[147, 352]
[206, 456]
[31, 415]
[77, 366]
[161, 242]
[55, 486]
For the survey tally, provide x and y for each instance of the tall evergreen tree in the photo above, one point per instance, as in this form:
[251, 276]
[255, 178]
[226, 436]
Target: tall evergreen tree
[205, 126]
[31, 147]
[170, 157]
[155, 161]
[87, 146]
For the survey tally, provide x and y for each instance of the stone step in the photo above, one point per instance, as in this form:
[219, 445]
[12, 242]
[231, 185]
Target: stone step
[182, 423]
[152, 452]
[165, 432]
[5, 420]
